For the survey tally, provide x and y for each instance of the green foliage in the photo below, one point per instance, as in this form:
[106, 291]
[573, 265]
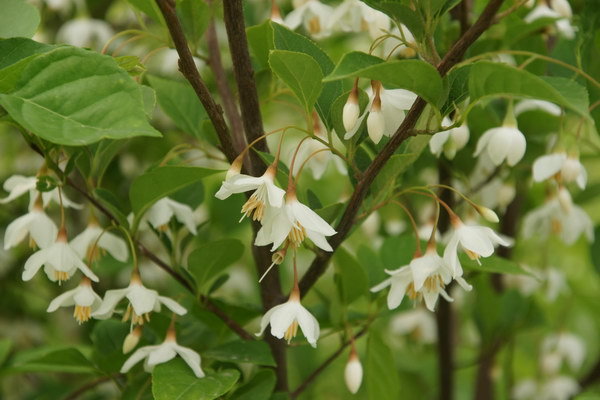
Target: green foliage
[18, 18]
[174, 380]
[53, 359]
[254, 352]
[259, 387]
[381, 380]
[350, 275]
[210, 259]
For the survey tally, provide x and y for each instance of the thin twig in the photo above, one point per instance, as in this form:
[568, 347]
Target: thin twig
[88, 386]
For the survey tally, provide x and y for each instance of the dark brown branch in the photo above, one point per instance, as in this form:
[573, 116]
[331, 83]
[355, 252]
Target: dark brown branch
[309, 379]
[231, 111]
[233, 14]
[187, 66]
[452, 58]
[88, 386]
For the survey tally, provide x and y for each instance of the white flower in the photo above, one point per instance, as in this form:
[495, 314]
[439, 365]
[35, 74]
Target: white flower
[266, 193]
[394, 47]
[82, 297]
[497, 194]
[142, 301]
[502, 143]
[568, 168]
[294, 221]
[36, 224]
[164, 209]
[449, 141]
[401, 283]
[476, 241]
[353, 373]
[351, 110]
[285, 319]
[562, 14]
[558, 387]
[59, 260]
[162, 353]
[567, 347]
[419, 323]
[85, 32]
[356, 16]
[94, 236]
[18, 185]
[313, 15]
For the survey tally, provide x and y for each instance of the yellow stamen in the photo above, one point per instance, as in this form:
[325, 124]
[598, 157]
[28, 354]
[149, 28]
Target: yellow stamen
[254, 208]
[291, 332]
[135, 318]
[296, 235]
[410, 291]
[314, 25]
[556, 226]
[82, 313]
[472, 255]
[61, 276]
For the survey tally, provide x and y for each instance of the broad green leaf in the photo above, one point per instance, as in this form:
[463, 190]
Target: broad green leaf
[112, 204]
[161, 182]
[254, 352]
[331, 212]
[351, 276]
[260, 41]
[74, 97]
[194, 16]
[107, 337]
[18, 19]
[457, 80]
[5, 348]
[53, 359]
[15, 54]
[179, 101]
[150, 8]
[415, 75]
[300, 72]
[595, 250]
[386, 179]
[211, 258]
[260, 387]
[381, 380]
[495, 79]
[397, 251]
[492, 264]
[176, 381]
[285, 39]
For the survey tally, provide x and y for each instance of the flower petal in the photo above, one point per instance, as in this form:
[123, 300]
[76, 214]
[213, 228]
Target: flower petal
[310, 219]
[546, 166]
[111, 299]
[172, 305]
[282, 318]
[309, 325]
[191, 358]
[63, 300]
[136, 357]
[34, 263]
[141, 298]
[161, 354]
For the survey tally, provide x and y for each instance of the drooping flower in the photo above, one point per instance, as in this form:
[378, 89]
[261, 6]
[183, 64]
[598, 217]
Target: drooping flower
[475, 241]
[351, 109]
[356, 16]
[502, 143]
[557, 387]
[142, 301]
[353, 373]
[401, 282]
[266, 193]
[59, 260]
[313, 15]
[88, 243]
[18, 185]
[82, 297]
[293, 221]
[449, 141]
[285, 319]
[40, 228]
[164, 209]
[560, 11]
[567, 168]
[419, 323]
[562, 347]
[162, 353]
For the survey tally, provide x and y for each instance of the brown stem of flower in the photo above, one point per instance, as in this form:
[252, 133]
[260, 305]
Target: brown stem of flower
[453, 56]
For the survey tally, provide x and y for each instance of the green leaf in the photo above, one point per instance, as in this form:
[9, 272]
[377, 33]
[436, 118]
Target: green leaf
[595, 250]
[161, 182]
[210, 259]
[351, 276]
[285, 39]
[18, 18]
[492, 264]
[194, 16]
[488, 79]
[415, 75]
[15, 54]
[179, 101]
[175, 380]
[260, 40]
[300, 72]
[53, 359]
[5, 348]
[260, 387]
[246, 351]
[381, 379]
[397, 251]
[386, 180]
[112, 204]
[150, 8]
[108, 336]
[74, 97]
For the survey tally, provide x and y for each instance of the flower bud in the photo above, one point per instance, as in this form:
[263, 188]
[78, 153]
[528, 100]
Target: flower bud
[488, 214]
[353, 373]
[375, 121]
[132, 340]
[351, 110]
[460, 136]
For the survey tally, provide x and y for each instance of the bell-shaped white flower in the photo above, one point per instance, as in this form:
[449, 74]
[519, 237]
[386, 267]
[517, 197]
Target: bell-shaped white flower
[356, 16]
[419, 323]
[266, 192]
[164, 209]
[142, 301]
[567, 167]
[556, 387]
[82, 297]
[40, 228]
[18, 185]
[502, 143]
[449, 141]
[88, 243]
[313, 15]
[566, 347]
[294, 221]
[285, 319]
[475, 241]
[351, 109]
[401, 282]
[162, 353]
[85, 32]
[353, 373]
[561, 14]
[59, 260]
